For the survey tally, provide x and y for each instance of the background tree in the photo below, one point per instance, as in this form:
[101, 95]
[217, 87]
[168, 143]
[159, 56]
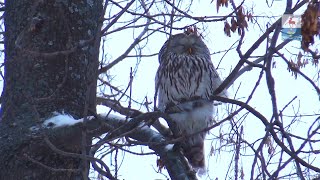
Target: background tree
[268, 128]
[51, 60]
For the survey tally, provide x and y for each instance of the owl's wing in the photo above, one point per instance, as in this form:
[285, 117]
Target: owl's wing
[159, 91]
[216, 81]
[210, 81]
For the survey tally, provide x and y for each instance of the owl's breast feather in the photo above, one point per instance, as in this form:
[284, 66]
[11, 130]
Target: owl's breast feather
[191, 119]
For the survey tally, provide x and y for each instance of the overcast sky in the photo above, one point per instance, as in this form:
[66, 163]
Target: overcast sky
[287, 87]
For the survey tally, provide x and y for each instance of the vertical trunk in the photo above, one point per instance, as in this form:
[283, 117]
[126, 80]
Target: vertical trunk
[50, 65]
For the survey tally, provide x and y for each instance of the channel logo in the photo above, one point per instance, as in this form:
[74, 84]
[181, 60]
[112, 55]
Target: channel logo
[291, 27]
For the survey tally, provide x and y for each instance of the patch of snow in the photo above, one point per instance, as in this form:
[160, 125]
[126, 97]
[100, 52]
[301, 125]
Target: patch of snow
[60, 120]
[113, 116]
[104, 111]
[201, 172]
[64, 119]
[169, 147]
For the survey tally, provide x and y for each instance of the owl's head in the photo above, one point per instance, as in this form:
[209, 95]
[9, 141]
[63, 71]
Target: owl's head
[187, 43]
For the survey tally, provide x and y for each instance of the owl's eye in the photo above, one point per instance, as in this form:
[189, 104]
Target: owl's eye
[179, 49]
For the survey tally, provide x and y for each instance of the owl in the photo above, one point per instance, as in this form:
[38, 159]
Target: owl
[185, 80]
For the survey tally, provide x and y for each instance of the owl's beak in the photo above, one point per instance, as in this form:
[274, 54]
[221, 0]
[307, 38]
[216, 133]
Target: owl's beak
[190, 41]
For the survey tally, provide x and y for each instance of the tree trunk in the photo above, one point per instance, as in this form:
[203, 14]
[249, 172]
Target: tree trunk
[51, 62]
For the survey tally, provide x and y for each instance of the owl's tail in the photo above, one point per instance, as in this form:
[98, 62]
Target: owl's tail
[195, 154]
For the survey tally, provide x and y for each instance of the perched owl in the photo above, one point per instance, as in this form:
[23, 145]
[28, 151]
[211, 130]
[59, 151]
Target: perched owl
[185, 80]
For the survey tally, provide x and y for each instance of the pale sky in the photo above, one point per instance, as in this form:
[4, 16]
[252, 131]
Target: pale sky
[287, 87]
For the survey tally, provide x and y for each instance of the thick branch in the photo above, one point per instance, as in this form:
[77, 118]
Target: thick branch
[175, 163]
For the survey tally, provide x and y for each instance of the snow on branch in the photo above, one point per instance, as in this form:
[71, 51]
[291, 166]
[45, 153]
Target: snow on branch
[136, 128]
[61, 120]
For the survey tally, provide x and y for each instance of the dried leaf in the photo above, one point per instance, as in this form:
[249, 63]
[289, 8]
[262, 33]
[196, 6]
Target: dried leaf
[299, 56]
[233, 25]
[218, 5]
[309, 29]
[242, 173]
[245, 24]
[249, 16]
[227, 29]
[224, 3]
[239, 31]
[268, 141]
[316, 61]
[270, 150]
[211, 151]
[160, 165]
[221, 138]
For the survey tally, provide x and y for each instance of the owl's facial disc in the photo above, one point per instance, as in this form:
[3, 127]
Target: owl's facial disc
[185, 44]
[188, 42]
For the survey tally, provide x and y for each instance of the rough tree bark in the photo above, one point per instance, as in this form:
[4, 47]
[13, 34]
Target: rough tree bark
[51, 62]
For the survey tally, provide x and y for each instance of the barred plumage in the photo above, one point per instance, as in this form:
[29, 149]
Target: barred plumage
[185, 80]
